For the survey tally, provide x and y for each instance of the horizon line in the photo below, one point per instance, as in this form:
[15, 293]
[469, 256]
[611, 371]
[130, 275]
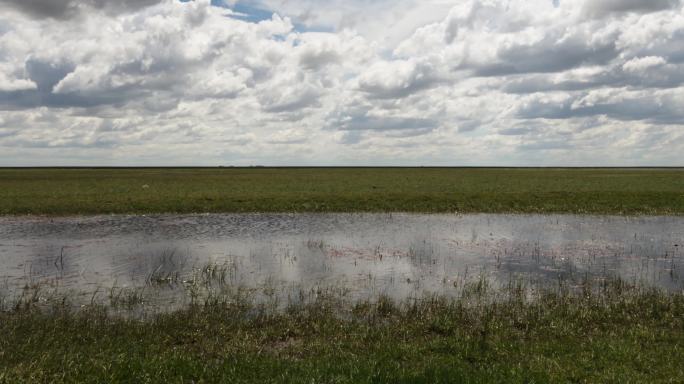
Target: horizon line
[337, 167]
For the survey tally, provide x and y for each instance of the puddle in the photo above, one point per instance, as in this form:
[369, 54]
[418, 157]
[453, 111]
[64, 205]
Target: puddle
[398, 255]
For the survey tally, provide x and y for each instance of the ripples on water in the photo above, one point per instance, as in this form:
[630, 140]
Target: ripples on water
[365, 255]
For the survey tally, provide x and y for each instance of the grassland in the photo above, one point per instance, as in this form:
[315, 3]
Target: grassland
[102, 191]
[616, 334]
[610, 333]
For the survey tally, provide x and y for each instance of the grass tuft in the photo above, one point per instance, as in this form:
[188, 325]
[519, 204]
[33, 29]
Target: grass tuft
[614, 332]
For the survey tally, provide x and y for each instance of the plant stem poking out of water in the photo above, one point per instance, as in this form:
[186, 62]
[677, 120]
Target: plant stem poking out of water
[613, 331]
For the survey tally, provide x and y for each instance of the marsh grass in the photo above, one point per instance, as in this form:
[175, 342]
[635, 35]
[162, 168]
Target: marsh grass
[610, 331]
[126, 297]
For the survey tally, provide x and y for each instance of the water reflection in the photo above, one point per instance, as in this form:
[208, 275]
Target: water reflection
[398, 255]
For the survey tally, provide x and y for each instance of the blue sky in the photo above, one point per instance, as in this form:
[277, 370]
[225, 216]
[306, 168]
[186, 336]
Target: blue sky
[253, 13]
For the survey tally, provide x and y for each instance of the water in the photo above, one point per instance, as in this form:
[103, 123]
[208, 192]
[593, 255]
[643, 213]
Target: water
[364, 255]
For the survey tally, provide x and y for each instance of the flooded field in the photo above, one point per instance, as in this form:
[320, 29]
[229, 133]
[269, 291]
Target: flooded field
[168, 260]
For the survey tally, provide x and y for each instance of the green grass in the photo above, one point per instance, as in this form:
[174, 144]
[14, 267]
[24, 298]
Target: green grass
[98, 191]
[618, 334]
[611, 334]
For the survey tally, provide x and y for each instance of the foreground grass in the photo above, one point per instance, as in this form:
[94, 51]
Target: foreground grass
[96, 191]
[615, 336]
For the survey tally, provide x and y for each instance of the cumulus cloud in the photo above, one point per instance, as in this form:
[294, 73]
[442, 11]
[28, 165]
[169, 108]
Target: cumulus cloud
[432, 82]
[657, 107]
[398, 78]
[640, 64]
[11, 85]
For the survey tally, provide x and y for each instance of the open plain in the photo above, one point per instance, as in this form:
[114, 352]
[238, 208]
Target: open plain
[341, 275]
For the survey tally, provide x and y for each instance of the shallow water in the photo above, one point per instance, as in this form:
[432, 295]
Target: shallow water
[399, 255]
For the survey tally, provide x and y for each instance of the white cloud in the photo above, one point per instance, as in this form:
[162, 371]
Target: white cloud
[639, 64]
[403, 82]
[398, 78]
[8, 84]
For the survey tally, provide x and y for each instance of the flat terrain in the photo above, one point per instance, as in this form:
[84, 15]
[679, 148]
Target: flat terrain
[101, 191]
[614, 337]
[607, 333]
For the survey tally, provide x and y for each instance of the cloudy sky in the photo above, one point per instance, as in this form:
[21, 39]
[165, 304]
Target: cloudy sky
[341, 82]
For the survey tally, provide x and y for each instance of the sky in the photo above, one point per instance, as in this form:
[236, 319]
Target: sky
[342, 82]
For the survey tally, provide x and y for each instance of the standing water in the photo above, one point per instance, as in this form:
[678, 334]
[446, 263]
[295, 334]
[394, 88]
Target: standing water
[365, 255]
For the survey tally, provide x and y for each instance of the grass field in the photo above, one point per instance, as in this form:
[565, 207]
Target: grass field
[96, 191]
[610, 333]
[617, 334]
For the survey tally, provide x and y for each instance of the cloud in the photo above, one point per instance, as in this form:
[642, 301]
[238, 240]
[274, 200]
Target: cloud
[659, 107]
[389, 123]
[638, 73]
[64, 9]
[398, 78]
[289, 98]
[551, 54]
[464, 82]
[10, 85]
[640, 64]
[601, 8]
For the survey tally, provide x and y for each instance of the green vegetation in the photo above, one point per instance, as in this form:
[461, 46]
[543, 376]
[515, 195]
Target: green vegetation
[95, 191]
[614, 333]
[607, 333]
